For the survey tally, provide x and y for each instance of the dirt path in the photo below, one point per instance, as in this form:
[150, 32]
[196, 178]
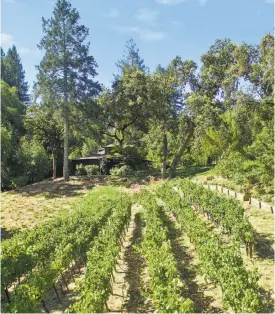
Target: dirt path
[130, 278]
[58, 301]
[263, 255]
[206, 297]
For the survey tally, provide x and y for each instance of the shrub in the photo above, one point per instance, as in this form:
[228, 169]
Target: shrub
[34, 161]
[187, 160]
[19, 181]
[80, 170]
[209, 178]
[240, 178]
[133, 159]
[5, 176]
[230, 164]
[115, 171]
[92, 170]
[105, 166]
[121, 171]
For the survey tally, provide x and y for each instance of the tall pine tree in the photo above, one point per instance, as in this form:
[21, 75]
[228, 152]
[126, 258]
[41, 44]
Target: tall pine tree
[13, 73]
[2, 63]
[67, 70]
[131, 59]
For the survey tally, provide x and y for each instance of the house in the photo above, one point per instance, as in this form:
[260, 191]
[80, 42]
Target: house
[96, 158]
[103, 154]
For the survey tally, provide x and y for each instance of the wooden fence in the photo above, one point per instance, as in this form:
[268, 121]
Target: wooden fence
[240, 196]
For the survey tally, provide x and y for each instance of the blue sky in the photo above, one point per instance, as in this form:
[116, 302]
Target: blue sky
[162, 29]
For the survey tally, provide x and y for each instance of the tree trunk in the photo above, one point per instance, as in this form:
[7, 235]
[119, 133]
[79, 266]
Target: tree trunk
[54, 167]
[181, 150]
[66, 150]
[164, 163]
[66, 109]
[120, 142]
[120, 138]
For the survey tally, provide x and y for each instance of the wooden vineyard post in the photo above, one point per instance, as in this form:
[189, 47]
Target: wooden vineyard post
[44, 306]
[7, 295]
[260, 204]
[111, 287]
[228, 192]
[222, 189]
[216, 188]
[78, 266]
[120, 241]
[107, 306]
[82, 260]
[208, 187]
[71, 273]
[55, 290]
[113, 277]
[271, 209]
[61, 287]
[250, 250]
[249, 200]
[235, 194]
[64, 281]
[246, 248]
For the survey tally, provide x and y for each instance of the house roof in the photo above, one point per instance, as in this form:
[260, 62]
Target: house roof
[95, 156]
[109, 145]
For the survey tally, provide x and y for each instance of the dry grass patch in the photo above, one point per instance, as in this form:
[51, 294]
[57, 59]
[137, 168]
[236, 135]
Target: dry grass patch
[33, 204]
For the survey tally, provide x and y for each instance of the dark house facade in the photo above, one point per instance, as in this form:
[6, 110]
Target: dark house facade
[96, 158]
[102, 155]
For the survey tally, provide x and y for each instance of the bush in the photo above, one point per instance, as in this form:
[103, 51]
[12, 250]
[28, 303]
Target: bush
[133, 159]
[92, 170]
[230, 164]
[34, 161]
[19, 181]
[209, 178]
[121, 171]
[105, 166]
[80, 170]
[240, 179]
[115, 171]
[187, 160]
[5, 176]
